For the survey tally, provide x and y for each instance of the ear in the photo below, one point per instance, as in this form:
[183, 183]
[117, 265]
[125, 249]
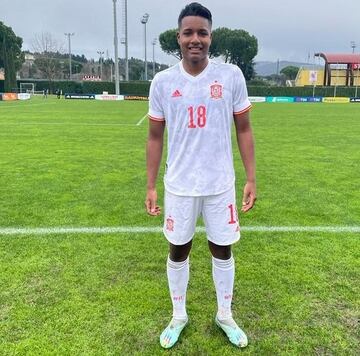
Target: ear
[178, 37]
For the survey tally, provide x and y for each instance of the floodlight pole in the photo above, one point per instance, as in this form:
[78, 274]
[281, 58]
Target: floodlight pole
[337, 77]
[144, 21]
[353, 46]
[153, 44]
[69, 42]
[100, 53]
[125, 40]
[117, 84]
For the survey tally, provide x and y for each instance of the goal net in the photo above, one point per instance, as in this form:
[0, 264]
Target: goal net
[28, 88]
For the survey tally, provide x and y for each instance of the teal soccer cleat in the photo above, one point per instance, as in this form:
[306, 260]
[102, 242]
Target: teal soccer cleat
[170, 335]
[235, 335]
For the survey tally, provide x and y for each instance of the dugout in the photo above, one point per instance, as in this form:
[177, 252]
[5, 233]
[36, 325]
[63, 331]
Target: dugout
[341, 69]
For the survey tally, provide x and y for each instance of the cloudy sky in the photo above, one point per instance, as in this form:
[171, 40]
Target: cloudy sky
[286, 30]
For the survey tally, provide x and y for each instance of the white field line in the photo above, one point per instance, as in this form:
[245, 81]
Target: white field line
[146, 230]
[61, 123]
[24, 105]
[141, 120]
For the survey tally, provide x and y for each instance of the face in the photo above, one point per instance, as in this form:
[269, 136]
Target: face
[194, 38]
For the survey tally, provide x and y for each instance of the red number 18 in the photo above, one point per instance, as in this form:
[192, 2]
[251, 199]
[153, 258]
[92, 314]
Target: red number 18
[200, 117]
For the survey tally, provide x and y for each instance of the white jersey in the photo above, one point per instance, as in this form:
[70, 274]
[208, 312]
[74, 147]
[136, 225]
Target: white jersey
[199, 114]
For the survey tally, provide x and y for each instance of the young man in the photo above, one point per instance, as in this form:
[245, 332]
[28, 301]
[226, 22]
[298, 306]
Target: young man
[198, 100]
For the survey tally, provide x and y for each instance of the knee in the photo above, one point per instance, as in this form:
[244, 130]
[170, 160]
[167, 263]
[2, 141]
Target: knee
[220, 252]
[179, 253]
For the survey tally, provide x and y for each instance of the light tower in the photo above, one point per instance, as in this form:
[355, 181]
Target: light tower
[144, 21]
[117, 84]
[68, 35]
[153, 44]
[353, 46]
[100, 53]
[124, 39]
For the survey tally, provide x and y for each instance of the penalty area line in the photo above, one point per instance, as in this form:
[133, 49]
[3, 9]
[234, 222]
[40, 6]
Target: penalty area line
[147, 229]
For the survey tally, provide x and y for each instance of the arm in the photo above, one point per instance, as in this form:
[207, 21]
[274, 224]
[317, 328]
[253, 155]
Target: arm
[245, 142]
[153, 159]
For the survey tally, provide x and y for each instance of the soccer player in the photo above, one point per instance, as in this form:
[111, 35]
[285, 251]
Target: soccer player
[198, 100]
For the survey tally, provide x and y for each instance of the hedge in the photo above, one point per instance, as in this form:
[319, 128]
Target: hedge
[300, 91]
[142, 88]
[126, 88]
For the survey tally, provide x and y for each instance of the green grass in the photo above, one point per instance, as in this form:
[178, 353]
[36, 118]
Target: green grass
[81, 163]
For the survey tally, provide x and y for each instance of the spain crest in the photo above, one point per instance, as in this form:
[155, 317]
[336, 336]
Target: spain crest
[169, 224]
[216, 91]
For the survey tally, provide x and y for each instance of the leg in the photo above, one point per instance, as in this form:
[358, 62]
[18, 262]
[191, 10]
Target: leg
[220, 252]
[179, 253]
[224, 275]
[179, 227]
[178, 279]
[223, 230]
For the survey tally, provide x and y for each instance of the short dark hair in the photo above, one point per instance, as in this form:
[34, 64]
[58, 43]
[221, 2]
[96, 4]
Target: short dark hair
[195, 9]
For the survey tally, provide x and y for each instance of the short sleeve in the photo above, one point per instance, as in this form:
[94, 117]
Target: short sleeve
[156, 111]
[241, 101]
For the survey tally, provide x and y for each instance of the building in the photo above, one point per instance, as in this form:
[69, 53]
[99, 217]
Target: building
[339, 70]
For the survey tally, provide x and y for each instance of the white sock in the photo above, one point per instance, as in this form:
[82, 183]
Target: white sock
[178, 278]
[223, 275]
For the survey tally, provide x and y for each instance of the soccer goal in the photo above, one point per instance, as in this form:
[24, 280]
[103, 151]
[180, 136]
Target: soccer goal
[28, 88]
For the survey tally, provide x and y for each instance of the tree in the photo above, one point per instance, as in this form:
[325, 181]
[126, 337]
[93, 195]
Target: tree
[169, 44]
[11, 57]
[290, 72]
[48, 53]
[218, 46]
[234, 46]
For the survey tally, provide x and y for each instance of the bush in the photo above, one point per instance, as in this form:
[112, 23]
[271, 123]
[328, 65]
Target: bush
[98, 87]
[139, 88]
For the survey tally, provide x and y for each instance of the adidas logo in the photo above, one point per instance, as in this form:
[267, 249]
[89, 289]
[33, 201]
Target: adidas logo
[176, 94]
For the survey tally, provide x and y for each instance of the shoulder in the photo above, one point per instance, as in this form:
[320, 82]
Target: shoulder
[166, 74]
[227, 68]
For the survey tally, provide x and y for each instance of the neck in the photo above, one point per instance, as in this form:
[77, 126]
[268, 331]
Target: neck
[195, 68]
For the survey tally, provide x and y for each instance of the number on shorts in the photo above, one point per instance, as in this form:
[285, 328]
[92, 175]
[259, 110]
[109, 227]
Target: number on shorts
[233, 214]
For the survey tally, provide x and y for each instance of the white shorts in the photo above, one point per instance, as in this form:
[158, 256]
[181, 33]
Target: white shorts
[218, 211]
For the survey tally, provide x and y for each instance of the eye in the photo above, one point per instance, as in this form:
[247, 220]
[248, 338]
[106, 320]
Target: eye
[203, 33]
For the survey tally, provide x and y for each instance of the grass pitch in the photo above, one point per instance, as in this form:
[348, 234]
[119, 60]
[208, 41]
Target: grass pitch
[82, 164]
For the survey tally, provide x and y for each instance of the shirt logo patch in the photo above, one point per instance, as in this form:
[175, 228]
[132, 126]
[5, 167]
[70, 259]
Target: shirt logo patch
[216, 91]
[176, 94]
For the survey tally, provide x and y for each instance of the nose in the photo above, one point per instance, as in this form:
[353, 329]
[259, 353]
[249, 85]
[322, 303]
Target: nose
[195, 38]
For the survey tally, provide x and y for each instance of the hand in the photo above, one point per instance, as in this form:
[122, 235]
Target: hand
[249, 196]
[150, 203]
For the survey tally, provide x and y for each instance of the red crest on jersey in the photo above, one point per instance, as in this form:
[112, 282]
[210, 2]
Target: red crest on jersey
[169, 224]
[216, 91]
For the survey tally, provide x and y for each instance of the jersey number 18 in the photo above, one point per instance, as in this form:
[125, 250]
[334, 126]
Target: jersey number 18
[200, 119]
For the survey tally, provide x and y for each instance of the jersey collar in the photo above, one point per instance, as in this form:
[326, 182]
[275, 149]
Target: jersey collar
[192, 77]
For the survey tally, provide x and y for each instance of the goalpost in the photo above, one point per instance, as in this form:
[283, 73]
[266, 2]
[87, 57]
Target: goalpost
[28, 88]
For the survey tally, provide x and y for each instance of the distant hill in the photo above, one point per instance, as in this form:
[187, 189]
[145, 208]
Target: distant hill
[267, 68]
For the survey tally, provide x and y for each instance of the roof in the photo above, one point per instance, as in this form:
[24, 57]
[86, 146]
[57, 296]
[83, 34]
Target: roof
[339, 58]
